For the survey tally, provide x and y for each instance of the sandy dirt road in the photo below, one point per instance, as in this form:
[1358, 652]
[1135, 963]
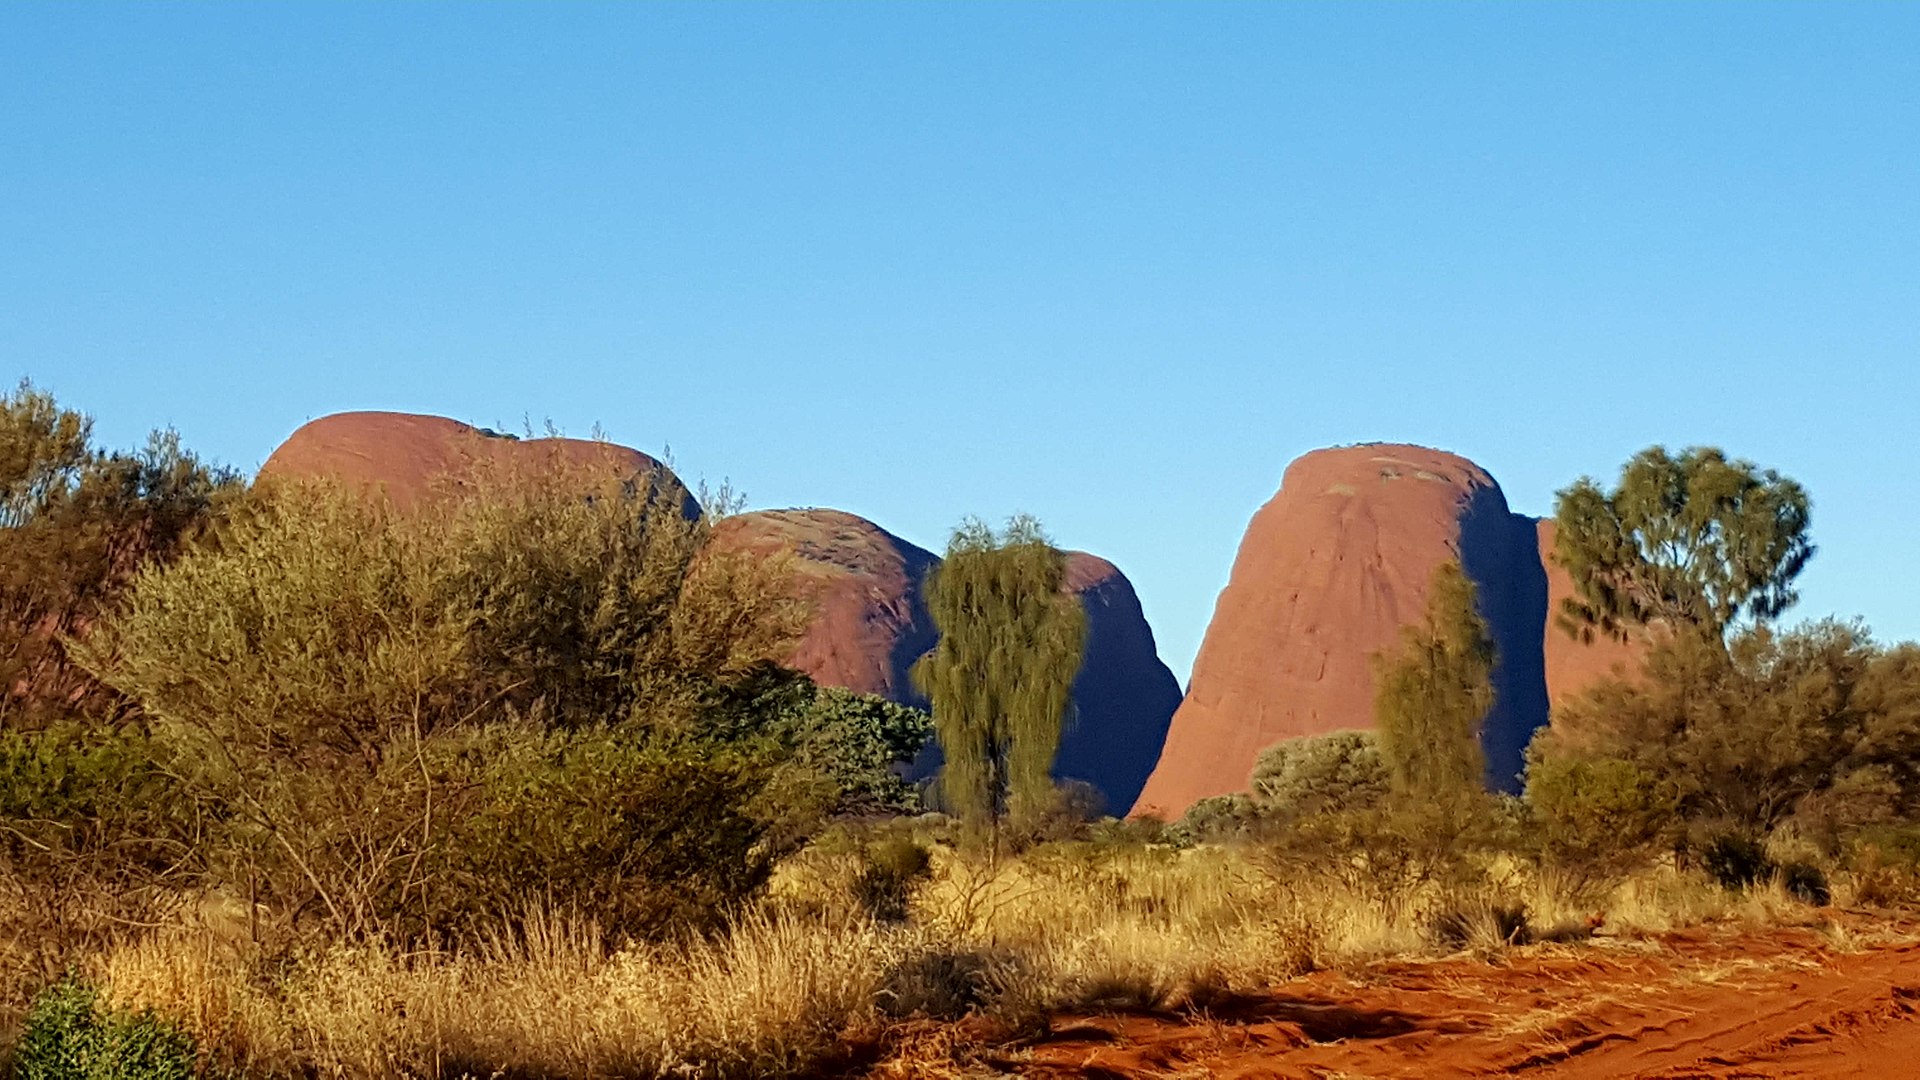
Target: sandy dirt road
[1785, 1003]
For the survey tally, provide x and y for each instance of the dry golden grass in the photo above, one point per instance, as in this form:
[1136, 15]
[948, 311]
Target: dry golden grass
[807, 980]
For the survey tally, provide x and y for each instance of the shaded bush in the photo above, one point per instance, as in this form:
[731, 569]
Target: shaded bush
[1478, 923]
[1806, 883]
[890, 870]
[1736, 861]
[70, 1034]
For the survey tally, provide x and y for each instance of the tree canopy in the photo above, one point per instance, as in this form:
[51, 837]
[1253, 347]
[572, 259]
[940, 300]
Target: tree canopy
[1434, 693]
[1010, 646]
[1694, 539]
[76, 523]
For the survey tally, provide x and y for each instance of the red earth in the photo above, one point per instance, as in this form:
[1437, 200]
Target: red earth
[1706, 1003]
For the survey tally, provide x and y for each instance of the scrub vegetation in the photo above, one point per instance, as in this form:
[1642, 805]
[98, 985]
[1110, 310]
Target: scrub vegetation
[293, 783]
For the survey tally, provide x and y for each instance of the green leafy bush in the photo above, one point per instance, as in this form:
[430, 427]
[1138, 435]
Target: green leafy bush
[1597, 819]
[1341, 770]
[860, 742]
[70, 1034]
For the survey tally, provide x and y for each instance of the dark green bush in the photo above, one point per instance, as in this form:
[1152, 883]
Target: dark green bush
[1807, 883]
[70, 1034]
[1597, 819]
[1736, 861]
[650, 837]
[95, 833]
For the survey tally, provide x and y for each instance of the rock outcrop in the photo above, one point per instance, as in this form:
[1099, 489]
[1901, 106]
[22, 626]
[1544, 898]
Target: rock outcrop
[1124, 697]
[1330, 570]
[411, 457]
[870, 624]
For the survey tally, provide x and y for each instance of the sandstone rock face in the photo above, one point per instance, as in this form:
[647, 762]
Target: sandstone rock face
[1572, 665]
[1329, 571]
[870, 622]
[411, 457]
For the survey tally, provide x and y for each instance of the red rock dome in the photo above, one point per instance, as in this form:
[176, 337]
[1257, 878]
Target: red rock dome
[410, 456]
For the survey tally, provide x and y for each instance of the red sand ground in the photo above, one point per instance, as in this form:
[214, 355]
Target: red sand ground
[1781, 1003]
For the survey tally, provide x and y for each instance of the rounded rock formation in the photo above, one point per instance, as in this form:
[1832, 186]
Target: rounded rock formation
[870, 622]
[411, 457]
[1329, 571]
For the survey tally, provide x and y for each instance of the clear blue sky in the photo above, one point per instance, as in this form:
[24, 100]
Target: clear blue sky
[1113, 265]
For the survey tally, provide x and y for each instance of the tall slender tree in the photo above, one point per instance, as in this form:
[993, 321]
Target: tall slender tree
[1010, 646]
[1434, 694]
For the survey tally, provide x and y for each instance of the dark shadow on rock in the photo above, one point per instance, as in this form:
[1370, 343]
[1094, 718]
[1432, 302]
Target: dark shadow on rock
[919, 639]
[1500, 551]
[1122, 701]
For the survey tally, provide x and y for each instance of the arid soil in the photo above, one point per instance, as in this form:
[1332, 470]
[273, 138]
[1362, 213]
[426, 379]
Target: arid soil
[1706, 1003]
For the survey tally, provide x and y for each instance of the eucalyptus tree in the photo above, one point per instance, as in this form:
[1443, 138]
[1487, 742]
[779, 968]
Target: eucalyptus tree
[1693, 540]
[1010, 645]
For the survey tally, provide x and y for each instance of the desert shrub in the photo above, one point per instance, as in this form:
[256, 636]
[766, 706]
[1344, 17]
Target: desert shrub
[1815, 723]
[1736, 861]
[890, 870]
[1597, 819]
[95, 834]
[1221, 817]
[1806, 883]
[363, 698]
[1341, 770]
[1129, 833]
[75, 524]
[70, 1034]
